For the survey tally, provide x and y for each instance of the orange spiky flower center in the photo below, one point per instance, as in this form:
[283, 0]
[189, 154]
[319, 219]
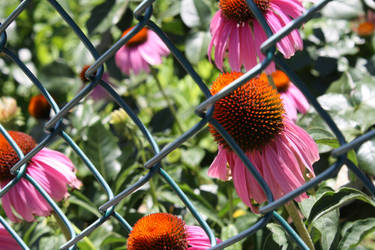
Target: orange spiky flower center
[238, 10]
[138, 38]
[251, 114]
[158, 231]
[365, 28]
[8, 156]
[39, 107]
[280, 79]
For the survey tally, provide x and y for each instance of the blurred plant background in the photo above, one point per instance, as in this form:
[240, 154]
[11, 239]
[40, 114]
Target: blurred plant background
[337, 65]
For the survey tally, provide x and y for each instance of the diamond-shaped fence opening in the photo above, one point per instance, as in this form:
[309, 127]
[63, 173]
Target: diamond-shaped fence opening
[107, 210]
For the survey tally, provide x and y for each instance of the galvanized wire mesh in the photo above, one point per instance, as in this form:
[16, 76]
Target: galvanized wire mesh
[205, 110]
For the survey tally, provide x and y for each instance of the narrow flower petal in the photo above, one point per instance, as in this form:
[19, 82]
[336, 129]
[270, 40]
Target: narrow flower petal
[136, 58]
[197, 238]
[289, 106]
[234, 50]
[299, 99]
[260, 37]
[228, 27]
[218, 168]
[7, 241]
[247, 43]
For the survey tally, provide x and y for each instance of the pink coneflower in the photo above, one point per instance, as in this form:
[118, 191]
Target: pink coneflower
[281, 151]
[141, 50]
[98, 92]
[235, 29]
[51, 169]
[7, 241]
[166, 231]
[292, 97]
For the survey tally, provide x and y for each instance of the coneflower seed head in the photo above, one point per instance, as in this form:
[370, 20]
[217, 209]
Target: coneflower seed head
[158, 231]
[251, 114]
[280, 79]
[8, 156]
[238, 10]
[138, 38]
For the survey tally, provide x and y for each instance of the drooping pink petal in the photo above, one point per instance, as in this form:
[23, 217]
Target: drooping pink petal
[294, 38]
[260, 37]
[302, 145]
[197, 238]
[222, 41]
[122, 59]
[149, 55]
[291, 8]
[234, 51]
[216, 22]
[251, 183]
[299, 99]
[159, 45]
[53, 172]
[284, 45]
[248, 55]
[136, 62]
[25, 201]
[218, 168]
[290, 108]
[280, 170]
[7, 242]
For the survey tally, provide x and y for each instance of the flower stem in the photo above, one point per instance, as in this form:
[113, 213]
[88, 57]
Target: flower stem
[298, 223]
[62, 226]
[153, 192]
[170, 106]
[230, 200]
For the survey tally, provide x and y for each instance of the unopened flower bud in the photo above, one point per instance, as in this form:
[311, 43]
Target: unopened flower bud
[10, 113]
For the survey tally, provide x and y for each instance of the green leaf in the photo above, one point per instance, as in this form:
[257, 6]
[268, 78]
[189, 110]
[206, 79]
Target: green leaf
[336, 103]
[110, 240]
[325, 139]
[195, 13]
[196, 46]
[103, 150]
[354, 232]
[278, 235]
[204, 13]
[331, 200]
[52, 242]
[193, 156]
[344, 85]
[306, 205]
[228, 232]
[327, 225]
[366, 157]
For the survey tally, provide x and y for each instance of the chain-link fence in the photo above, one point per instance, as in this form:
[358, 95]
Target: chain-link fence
[205, 110]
